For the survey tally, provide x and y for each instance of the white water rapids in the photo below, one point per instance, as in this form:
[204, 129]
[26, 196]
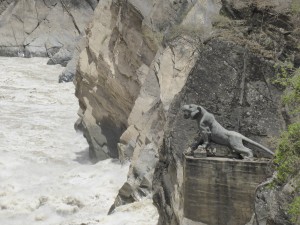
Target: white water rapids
[45, 175]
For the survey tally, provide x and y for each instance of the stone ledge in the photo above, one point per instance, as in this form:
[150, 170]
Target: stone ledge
[221, 191]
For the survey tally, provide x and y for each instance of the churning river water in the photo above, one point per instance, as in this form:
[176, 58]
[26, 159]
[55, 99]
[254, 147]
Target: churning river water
[45, 175]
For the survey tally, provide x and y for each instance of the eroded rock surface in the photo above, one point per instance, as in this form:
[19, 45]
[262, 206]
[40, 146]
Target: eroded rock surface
[145, 59]
[271, 205]
[4, 4]
[44, 28]
[127, 78]
[217, 82]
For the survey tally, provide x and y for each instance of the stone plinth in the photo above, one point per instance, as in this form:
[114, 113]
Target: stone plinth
[220, 191]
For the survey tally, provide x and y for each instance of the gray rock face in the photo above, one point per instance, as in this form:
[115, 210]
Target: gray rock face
[62, 57]
[145, 59]
[142, 168]
[4, 4]
[43, 28]
[70, 70]
[271, 205]
[220, 68]
[126, 76]
[119, 73]
[106, 82]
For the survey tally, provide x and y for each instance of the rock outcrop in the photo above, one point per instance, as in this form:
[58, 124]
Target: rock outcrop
[4, 4]
[44, 28]
[127, 79]
[145, 59]
[271, 204]
[217, 82]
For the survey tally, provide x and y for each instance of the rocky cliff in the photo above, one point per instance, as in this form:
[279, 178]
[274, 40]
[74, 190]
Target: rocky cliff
[44, 28]
[145, 59]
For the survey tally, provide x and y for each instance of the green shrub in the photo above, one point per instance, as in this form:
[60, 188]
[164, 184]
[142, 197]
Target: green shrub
[296, 6]
[289, 79]
[294, 210]
[179, 31]
[287, 156]
[221, 21]
[292, 95]
[284, 72]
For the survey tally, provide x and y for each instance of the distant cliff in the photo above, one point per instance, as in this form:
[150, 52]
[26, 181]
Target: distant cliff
[44, 28]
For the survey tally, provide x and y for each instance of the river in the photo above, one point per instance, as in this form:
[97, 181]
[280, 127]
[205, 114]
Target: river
[45, 174]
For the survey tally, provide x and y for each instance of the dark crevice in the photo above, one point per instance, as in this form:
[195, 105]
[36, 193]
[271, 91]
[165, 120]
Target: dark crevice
[112, 132]
[18, 18]
[46, 4]
[92, 4]
[70, 14]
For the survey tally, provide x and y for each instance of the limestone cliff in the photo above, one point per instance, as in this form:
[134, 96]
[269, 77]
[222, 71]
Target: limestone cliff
[44, 28]
[145, 59]
[120, 81]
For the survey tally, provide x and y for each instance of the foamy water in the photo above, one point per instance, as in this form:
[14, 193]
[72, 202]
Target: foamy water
[45, 175]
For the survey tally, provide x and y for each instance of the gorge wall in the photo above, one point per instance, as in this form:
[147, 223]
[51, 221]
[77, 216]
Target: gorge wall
[140, 61]
[51, 29]
[144, 60]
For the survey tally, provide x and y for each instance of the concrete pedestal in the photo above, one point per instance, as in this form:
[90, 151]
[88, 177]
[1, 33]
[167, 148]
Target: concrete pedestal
[221, 191]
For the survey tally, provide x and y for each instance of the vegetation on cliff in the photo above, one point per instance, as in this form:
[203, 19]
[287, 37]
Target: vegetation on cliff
[287, 159]
[288, 151]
